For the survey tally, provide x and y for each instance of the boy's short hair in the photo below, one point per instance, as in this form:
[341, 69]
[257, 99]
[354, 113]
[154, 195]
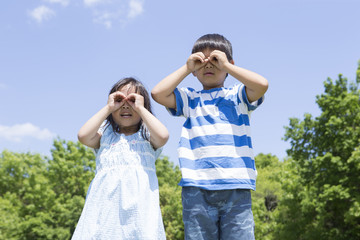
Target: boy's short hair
[213, 41]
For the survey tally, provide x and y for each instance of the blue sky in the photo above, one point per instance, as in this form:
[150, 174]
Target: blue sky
[59, 59]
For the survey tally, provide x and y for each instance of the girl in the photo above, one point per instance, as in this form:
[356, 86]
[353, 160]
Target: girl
[123, 198]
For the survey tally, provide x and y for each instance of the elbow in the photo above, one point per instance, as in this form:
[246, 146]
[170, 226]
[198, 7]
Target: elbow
[163, 138]
[81, 137]
[155, 95]
[166, 138]
[264, 85]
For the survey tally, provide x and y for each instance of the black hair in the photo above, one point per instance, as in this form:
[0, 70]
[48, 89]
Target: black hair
[140, 89]
[213, 41]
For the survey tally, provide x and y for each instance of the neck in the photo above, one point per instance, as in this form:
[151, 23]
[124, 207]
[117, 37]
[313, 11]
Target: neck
[129, 130]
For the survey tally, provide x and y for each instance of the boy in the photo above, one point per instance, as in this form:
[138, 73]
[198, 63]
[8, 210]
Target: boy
[215, 150]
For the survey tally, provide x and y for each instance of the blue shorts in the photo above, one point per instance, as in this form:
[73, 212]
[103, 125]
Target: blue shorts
[219, 214]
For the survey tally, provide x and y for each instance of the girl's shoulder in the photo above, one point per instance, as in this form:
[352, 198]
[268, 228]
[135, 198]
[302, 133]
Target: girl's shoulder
[105, 128]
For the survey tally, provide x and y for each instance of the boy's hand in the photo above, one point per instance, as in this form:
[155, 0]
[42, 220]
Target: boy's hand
[218, 59]
[116, 100]
[196, 61]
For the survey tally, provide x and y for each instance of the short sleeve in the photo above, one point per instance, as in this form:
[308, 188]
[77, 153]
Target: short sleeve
[158, 152]
[243, 96]
[181, 103]
[102, 128]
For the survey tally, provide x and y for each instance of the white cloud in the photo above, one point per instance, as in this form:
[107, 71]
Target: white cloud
[18, 132]
[91, 3]
[41, 13]
[62, 2]
[105, 19]
[136, 8]
[115, 11]
[105, 12]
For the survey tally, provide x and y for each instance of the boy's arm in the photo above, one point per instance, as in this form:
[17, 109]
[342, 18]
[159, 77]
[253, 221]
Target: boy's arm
[256, 85]
[163, 92]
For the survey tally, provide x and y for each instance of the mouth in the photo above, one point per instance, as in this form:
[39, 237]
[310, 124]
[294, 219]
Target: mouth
[126, 115]
[208, 74]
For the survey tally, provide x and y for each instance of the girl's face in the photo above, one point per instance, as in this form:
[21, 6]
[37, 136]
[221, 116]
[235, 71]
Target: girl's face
[126, 117]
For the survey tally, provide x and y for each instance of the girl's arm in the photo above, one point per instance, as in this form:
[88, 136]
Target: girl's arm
[158, 132]
[88, 133]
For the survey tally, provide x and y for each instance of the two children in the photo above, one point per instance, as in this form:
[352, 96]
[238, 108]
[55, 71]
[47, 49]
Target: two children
[215, 152]
[215, 149]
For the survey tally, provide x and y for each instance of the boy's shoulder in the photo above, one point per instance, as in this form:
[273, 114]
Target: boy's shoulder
[235, 88]
[190, 94]
[186, 89]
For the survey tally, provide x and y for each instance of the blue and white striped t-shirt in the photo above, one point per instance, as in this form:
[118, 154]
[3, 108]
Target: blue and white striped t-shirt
[215, 150]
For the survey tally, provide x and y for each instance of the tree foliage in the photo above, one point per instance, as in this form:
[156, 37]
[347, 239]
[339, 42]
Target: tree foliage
[323, 198]
[267, 195]
[313, 194]
[170, 198]
[42, 198]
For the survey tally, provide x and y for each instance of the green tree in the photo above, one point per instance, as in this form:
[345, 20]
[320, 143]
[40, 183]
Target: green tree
[170, 198]
[22, 190]
[322, 201]
[42, 198]
[70, 171]
[267, 195]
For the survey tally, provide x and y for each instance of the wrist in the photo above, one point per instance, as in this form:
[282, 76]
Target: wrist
[140, 110]
[108, 109]
[227, 65]
[187, 70]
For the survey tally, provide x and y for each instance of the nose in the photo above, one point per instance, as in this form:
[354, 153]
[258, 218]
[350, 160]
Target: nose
[209, 65]
[125, 106]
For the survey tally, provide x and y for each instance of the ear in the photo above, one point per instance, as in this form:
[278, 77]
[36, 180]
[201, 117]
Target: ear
[232, 62]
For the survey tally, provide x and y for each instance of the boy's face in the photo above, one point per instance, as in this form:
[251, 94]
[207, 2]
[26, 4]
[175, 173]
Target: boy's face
[209, 75]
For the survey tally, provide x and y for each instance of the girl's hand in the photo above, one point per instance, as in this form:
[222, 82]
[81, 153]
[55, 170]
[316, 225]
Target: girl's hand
[116, 100]
[196, 61]
[136, 101]
[218, 59]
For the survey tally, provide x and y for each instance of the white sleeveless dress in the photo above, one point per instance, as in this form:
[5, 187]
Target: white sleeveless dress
[122, 201]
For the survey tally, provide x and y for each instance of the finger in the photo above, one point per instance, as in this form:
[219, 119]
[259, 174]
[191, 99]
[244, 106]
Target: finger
[219, 55]
[131, 98]
[214, 55]
[119, 96]
[201, 54]
[213, 58]
[197, 58]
